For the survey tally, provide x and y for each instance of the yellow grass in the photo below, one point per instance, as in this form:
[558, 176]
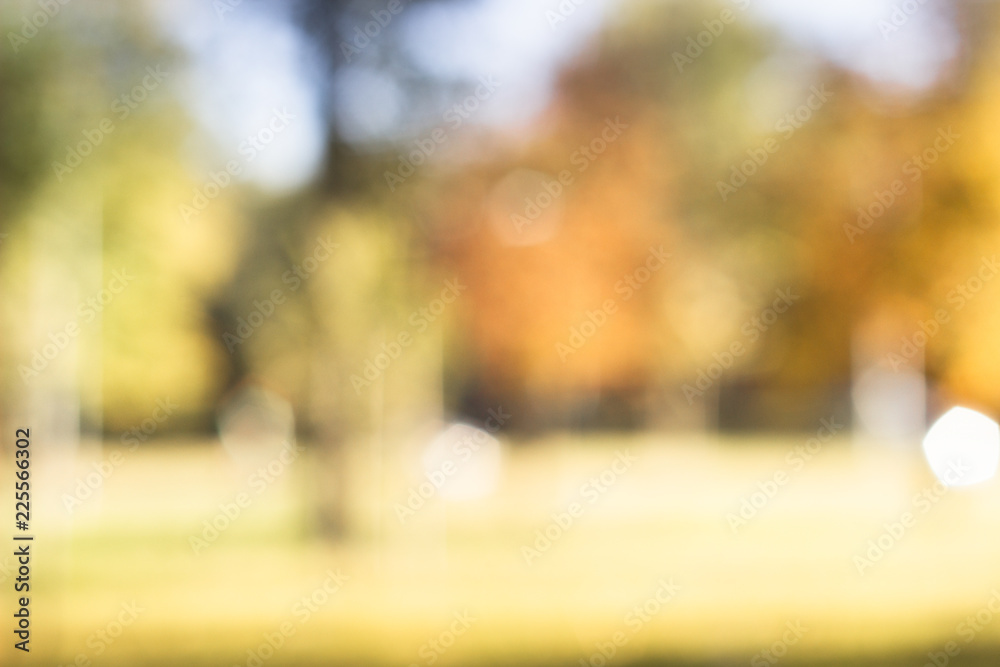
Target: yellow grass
[665, 518]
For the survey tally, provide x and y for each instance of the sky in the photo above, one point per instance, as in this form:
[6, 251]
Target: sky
[249, 60]
[893, 42]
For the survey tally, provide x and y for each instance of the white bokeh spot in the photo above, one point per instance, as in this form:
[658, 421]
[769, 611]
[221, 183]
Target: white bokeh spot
[463, 462]
[963, 447]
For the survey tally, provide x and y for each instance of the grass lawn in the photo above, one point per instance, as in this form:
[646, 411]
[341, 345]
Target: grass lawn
[664, 518]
